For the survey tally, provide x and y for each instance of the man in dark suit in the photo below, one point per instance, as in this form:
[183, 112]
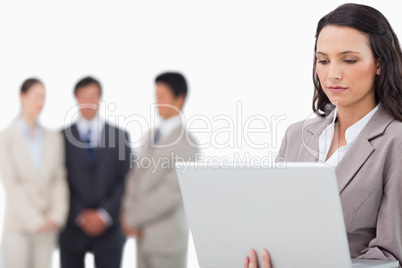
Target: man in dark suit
[97, 160]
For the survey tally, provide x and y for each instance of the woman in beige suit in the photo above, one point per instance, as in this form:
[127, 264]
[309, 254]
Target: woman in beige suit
[34, 180]
[357, 75]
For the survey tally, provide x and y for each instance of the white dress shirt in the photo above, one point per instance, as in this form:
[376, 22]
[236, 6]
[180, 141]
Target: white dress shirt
[350, 135]
[95, 127]
[168, 125]
[33, 140]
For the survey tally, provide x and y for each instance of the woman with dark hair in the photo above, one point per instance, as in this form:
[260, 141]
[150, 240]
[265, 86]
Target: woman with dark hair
[34, 180]
[358, 96]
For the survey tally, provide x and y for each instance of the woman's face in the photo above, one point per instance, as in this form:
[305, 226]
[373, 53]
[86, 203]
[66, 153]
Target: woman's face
[33, 100]
[346, 67]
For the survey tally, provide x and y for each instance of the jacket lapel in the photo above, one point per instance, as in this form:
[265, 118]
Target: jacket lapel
[104, 142]
[358, 153]
[77, 143]
[164, 142]
[173, 137]
[151, 175]
[311, 139]
[361, 150]
[352, 161]
[23, 154]
[46, 154]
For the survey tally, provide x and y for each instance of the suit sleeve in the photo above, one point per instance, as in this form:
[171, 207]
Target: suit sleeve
[162, 199]
[129, 191]
[112, 203]
[17, 202]
[388, 242]
[282, 150]
[75, 205]
[154, 204]
[60, 193]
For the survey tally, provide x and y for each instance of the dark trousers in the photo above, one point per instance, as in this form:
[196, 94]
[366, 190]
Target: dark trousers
[71, 258]
[107, 249]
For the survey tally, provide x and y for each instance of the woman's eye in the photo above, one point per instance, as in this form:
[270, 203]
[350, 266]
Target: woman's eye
[322, 61]
[350, 61]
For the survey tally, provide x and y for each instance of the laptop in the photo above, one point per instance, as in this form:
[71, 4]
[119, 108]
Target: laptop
[291, 209]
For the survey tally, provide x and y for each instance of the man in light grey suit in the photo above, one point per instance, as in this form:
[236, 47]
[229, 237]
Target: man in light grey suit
[152, 206]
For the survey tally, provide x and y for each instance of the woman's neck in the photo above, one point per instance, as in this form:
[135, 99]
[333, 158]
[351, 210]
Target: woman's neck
[348, 116]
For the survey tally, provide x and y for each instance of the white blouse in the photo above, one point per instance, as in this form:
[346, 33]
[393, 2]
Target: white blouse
[350, 135]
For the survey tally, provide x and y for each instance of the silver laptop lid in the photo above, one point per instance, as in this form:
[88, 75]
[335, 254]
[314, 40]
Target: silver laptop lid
[291, 209]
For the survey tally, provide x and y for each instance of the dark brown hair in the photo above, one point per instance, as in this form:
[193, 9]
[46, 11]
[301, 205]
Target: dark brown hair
[28, 83]
[385, 46]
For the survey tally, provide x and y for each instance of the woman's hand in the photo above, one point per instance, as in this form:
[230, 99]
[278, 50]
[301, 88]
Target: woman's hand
[251, 262]
[48, 227]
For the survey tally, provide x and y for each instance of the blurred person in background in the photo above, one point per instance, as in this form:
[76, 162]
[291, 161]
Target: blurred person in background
[34, 180]
[97, 159]
[153, 209]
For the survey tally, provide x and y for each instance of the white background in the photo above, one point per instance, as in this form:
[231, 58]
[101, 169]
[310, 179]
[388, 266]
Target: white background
[253, 54]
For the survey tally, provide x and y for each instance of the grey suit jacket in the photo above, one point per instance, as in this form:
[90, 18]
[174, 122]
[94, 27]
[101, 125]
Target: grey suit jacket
[33, 195]
[153, 199]
[369, 180]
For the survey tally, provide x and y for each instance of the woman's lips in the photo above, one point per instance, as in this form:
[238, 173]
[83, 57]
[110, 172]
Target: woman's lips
[336, 89]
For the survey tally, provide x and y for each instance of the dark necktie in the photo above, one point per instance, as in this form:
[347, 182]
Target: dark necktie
[90, 149]
[157, 136]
